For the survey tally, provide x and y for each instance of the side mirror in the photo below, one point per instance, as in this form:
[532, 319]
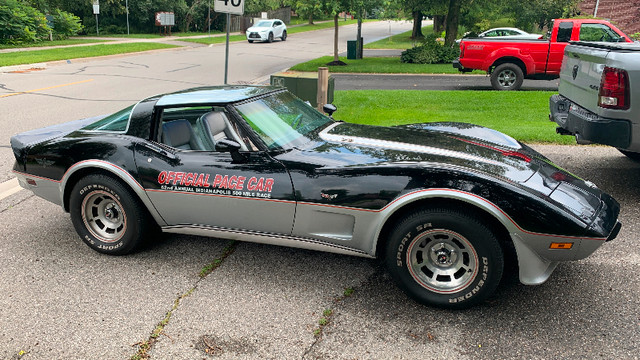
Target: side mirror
[230, 146]
[329, 109]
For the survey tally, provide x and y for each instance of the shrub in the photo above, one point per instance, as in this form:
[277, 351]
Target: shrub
[430, 52]
[20, 23]
[65, 24]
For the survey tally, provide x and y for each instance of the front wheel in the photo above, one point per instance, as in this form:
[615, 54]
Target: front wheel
[507, 76]
[107, 216]
[270, 39]
[284, 36]
[250, 41]
[444, 258]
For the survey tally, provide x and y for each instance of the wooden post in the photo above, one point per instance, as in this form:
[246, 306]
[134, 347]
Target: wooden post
[323, 87]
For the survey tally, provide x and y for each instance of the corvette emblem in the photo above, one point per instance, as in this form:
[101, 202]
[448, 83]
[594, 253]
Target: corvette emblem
[328, 196]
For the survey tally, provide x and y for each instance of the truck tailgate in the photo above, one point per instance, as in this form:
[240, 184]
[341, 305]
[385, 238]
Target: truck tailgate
[580, 75]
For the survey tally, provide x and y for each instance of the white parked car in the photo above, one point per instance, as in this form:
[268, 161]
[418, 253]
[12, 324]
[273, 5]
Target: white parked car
[267, 30]
[509, 33]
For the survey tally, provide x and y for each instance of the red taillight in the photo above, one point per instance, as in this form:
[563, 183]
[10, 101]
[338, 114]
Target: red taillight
[614, 89]
[462, 46]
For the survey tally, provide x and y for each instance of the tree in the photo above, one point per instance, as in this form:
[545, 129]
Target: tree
[334, 7]
[540, 12]
[451, 25]
[307, 9]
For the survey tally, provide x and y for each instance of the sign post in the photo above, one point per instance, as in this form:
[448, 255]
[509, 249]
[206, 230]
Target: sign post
[229, 7]
[96, 11]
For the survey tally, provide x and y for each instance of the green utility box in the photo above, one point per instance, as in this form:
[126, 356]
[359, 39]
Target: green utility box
[303, 85]
[352, 45]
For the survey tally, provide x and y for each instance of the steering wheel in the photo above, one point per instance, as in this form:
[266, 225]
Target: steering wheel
[296, 122]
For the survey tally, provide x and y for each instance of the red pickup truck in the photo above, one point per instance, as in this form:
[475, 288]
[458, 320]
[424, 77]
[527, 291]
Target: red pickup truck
[510, 61]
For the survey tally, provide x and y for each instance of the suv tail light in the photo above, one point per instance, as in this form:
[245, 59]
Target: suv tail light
[614, 89]
[462, 46]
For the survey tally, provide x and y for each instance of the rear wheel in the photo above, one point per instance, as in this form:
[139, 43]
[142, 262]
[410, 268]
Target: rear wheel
[444, 258]
[507, 76]
[284, 36]
[107, 215]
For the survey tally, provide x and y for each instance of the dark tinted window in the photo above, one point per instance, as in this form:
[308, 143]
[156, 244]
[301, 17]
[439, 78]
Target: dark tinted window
[564, 31]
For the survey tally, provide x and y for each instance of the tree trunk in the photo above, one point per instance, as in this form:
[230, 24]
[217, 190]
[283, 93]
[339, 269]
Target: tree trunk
[311, 19]
[438, 23]
[335, 38]
[417, 25]
[453, 18]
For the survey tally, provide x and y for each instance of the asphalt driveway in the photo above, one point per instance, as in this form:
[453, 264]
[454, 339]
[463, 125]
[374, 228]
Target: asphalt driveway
[62, 300]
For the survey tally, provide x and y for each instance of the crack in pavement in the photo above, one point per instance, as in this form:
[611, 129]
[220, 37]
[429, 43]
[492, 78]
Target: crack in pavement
[147, 345]
[330, 314]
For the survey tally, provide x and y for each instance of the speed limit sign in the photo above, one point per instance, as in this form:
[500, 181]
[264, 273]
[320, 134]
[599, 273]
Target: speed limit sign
[229, 6]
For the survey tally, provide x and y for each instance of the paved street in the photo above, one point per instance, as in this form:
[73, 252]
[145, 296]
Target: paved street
[61, 300]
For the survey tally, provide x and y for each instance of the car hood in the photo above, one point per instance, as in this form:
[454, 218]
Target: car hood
[258, 28]
[455, 144]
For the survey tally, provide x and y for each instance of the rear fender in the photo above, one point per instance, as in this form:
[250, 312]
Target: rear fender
[82, 168]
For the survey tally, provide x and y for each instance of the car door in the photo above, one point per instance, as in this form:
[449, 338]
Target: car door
[191, 184]
[278, 27]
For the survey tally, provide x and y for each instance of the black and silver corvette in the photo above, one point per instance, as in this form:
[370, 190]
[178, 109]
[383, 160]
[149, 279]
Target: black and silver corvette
[445, 205]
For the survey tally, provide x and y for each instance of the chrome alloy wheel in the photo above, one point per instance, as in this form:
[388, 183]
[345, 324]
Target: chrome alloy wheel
[442, 261]
[507, 78]
[103, 216]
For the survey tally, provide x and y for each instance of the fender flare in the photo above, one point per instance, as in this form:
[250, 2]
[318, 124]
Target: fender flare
[115, 170]
[533, 269]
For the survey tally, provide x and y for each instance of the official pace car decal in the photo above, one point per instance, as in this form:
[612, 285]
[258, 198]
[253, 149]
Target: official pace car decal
[201, 183]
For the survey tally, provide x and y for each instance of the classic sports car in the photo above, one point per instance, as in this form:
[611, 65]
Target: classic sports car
[445, 205]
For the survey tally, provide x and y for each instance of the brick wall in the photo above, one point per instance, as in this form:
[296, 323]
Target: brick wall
[623, 14]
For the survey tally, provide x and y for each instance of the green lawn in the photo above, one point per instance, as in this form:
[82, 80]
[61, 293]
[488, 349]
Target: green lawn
[53, 43]
[400, 41]
[36, 56]
[520, 114]
[380, 65]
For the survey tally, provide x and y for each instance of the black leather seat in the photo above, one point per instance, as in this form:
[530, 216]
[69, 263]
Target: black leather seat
[215, 126]
[180, 134]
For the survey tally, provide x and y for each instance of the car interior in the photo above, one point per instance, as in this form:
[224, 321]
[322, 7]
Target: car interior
[197, 128]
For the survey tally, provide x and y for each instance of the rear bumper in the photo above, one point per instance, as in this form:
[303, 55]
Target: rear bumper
[586, 126]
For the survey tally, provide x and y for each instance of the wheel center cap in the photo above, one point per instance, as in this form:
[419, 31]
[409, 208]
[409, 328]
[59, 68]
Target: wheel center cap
[443, 255]
[111, 213]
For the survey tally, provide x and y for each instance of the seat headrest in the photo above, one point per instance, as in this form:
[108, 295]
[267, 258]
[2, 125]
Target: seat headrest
[216, 121]
[177, 133]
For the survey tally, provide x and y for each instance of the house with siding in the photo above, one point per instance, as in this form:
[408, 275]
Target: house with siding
[623, 14]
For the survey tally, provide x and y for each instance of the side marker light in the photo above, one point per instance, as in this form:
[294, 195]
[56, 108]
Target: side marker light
[561, 246]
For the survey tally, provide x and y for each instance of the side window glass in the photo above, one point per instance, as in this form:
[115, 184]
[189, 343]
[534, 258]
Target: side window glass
[564, 31]
[117, 122]
[179, 128]
[199, 128]
[598, 32]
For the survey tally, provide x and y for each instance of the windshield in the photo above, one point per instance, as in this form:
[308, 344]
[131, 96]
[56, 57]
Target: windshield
[263, 24]
[113, 122]
[282, 120]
